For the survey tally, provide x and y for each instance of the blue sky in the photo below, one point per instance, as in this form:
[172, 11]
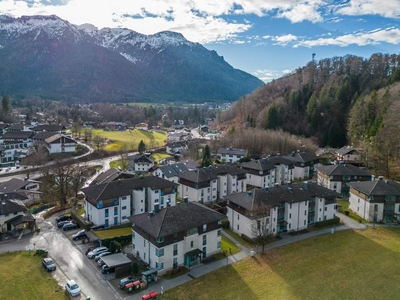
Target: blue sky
[266, 38]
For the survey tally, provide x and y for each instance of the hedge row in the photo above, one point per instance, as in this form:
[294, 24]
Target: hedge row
[123, 240]
[334, 221]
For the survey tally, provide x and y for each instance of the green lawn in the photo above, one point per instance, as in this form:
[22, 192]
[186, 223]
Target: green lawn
[131, 139]
[346, 265]
[226, 244]
[159, 156]
[345, 206]
[238, 238]
[23, 277]
[109, 233]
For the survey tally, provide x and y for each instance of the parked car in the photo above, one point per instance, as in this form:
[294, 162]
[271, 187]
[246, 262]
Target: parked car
[96, 251]
[124, 281]
[79, 235]
[72, 288]
[101, 262]
[63, 218]
[97, 257]
[48, 264]
[62, 223]
[70, 226]
[107, 270]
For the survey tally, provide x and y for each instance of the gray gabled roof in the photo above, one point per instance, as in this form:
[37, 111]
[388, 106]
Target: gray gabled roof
[124, 187]
[274, 196]
[265, 164]
[232, 151]
[302, 157]
[141, 158]
[111, 175]
[175, 219]
[378, 187]
[43, 135]
[174, 170]
[199, 175]
[48, 127]
[15, 184]
[17, 135]
[11, 206]
[343, 169]
[348, 149]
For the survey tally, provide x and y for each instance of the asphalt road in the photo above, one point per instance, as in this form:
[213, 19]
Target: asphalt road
[69, 257]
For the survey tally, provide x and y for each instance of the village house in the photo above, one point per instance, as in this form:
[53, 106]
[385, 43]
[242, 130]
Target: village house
[175, 148]
[26, 190]
[283, 208]
[14, 216]
[336, 177]
[231, 155]
[171, 172]
[111, 203]
[115, 126]
[349, 155]
[304, 164]
[376, 200]
[140, 163]
[267, 172]
[142, 126]
[181, 235]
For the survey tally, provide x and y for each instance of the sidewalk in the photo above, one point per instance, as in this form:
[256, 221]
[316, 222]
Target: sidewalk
[350, 222]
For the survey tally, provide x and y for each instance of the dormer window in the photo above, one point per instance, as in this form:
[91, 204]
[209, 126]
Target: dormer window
[160, 240]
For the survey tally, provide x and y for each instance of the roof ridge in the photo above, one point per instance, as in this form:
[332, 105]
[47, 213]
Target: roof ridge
[162, 220]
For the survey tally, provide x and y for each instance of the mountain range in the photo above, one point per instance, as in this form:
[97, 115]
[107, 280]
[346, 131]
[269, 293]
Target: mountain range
[48, 57]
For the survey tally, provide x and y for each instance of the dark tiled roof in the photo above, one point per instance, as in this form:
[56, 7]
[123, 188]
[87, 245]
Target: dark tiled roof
[265, 164]
[347, 149]
[176, 144]
[3, 125]
[43, 135]
[272, 197]
[232, 151]
[111, 175]
[227, 169]
[18, 134]
[343, 169]
[378, 187]
[47, 127]
[191, 164]
[175, 219]
[57, 136]
[302, 157]
[174, 170]
[141, 158]
[16, 127]
[21, 219]
[14, 184]
[199, 175]
[124, 187]
[11, 206]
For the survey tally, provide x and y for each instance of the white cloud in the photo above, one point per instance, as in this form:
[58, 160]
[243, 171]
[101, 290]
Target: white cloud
[268, 75]
[284, 39]
[198, 20]
[389, 35]
[385, 8]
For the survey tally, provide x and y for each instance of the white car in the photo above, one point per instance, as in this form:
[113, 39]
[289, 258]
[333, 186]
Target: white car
[96, 252]
[72, 288]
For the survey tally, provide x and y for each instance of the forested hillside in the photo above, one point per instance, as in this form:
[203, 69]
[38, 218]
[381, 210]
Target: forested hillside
[335, 102]
[316, 100]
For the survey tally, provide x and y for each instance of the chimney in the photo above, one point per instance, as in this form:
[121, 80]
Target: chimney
[186, 199]
[305, 185]
[150, 214]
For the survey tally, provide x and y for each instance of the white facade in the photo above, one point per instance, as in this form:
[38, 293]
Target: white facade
[330, 184]
[61, 148]
[204, 195]
[173, 255]
[262, 180]
[367, 210]
[231, 158]
[5, 218]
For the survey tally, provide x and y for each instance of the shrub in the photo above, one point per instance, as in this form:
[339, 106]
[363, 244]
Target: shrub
[115, 246]
[135, 268]
[122, 240]
[225, 223]
[346, 212]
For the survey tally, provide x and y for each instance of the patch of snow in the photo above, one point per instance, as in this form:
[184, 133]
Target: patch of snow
[129, 57]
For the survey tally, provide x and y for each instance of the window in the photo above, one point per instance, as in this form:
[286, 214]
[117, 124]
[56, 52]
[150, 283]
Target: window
[390, 198]
[191, 244]
[290, 225]
[324, 217]
[219, 232]
[159, 265]
[218, 245]
[237, 226]
[204, 240]
[123, 197]
[144, 243]
[305, 221]
[115, 211]
[156, 191]
[219, 222]
[305, 213]
[204, 227]
[191, 231]
[133, 247]
[326, 208]
[358, 200]
[159, 252]
[106, 213]
[175, 249]
[123, 207]
[291, 205]
[160, 240]
[290, 216]
[238, 216]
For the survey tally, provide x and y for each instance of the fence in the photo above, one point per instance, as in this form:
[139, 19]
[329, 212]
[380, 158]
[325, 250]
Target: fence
[42, 207]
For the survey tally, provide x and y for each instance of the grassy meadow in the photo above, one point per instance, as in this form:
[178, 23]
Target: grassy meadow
[23, 277]
[131, 139]
[346, 265]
